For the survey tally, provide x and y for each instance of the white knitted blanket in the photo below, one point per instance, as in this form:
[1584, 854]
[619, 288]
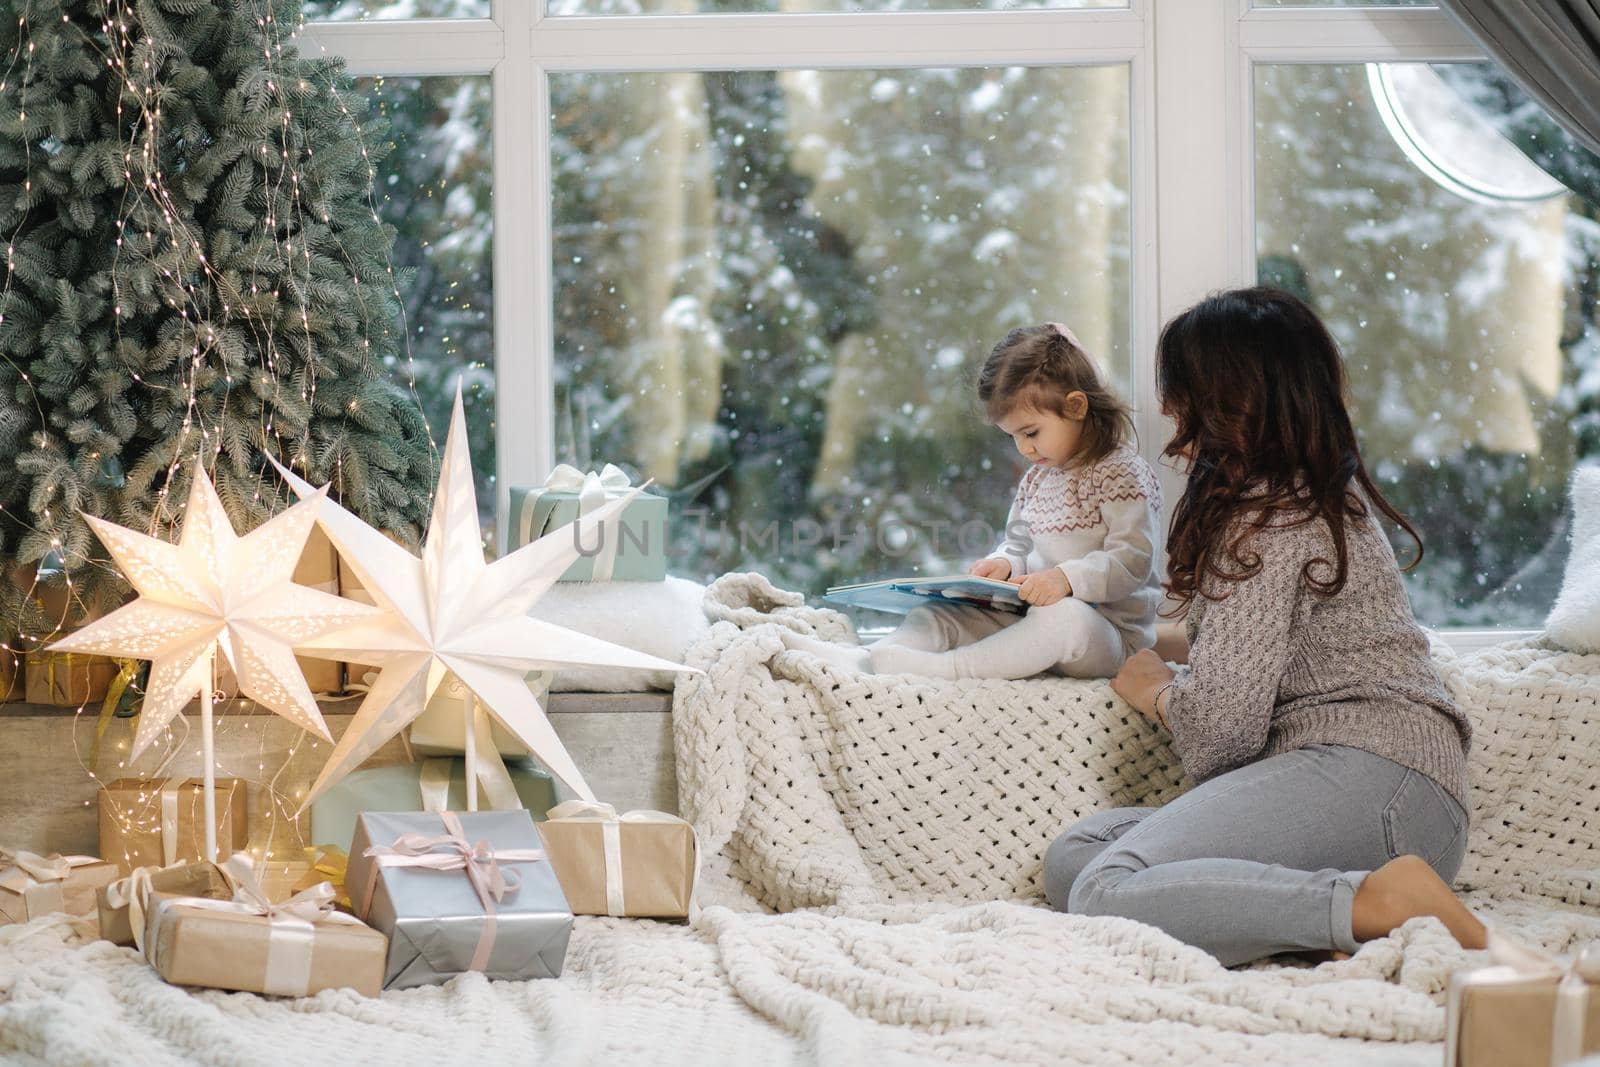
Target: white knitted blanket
[907, 820]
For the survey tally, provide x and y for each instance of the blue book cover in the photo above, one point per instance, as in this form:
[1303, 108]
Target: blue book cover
[897, 596]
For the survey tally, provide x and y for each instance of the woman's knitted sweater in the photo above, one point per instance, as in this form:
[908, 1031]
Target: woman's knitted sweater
[1275, 666]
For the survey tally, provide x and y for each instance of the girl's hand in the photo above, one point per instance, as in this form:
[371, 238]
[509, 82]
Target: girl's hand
[1139, 679]
[998, 569]
[1043, 588]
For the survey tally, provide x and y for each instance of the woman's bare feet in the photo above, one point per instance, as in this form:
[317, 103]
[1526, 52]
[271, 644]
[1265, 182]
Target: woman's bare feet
[1406, 888]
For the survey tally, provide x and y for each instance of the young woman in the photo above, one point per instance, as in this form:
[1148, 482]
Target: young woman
[1331, 760]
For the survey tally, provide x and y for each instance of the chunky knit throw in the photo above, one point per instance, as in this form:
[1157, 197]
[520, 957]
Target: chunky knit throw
[896, 826]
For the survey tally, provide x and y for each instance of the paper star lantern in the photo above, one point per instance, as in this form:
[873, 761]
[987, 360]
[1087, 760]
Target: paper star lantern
[450, 612]
[212, 590]
[215, 590]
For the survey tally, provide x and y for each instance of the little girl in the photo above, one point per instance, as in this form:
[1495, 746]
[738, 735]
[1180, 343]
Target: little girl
[1079, 541]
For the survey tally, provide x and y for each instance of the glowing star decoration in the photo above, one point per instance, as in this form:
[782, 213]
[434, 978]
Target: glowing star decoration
[450, 612]
[215, 590]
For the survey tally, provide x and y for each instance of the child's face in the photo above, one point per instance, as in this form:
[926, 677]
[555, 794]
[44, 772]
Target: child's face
[1044, 437]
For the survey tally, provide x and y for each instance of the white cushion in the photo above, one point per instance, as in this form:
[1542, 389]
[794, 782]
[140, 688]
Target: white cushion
[1574, 622]
[658, 618]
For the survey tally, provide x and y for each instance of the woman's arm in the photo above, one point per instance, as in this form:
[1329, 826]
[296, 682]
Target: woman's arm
[1220, 709]
[1172, 642]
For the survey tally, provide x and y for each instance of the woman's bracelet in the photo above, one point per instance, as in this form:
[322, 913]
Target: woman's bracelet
[1160, 715]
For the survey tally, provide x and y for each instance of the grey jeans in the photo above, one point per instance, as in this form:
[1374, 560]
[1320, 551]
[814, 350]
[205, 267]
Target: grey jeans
[1263, 859]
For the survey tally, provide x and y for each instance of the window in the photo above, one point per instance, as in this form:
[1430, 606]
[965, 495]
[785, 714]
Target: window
[773, 292]
[396, 9]
[769, 244]
[433, 186]
[1454, 272]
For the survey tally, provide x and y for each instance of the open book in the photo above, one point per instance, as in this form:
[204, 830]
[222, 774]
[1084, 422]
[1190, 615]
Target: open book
[899, 595]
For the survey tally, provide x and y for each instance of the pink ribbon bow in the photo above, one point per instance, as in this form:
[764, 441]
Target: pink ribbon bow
[492, 882]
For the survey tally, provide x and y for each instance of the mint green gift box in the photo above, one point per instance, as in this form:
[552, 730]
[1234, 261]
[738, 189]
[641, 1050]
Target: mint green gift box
[399, 788]
[641, 548]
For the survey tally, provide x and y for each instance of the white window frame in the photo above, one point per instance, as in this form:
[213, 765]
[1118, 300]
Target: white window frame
[1191, 139]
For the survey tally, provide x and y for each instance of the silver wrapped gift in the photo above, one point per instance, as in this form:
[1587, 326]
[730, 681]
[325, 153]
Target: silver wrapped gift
[458, 892]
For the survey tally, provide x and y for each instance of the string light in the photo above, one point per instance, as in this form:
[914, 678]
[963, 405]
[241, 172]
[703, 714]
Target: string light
[195, 283]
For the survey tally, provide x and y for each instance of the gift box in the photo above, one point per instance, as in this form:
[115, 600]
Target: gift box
[638, 552]
[121, 903]
[13, 681]
[32, 885]
[643, 863]
[441, 729]
[430, 786]
[1527, 1009]
[155, 822]
[501, 913]
[67, 679]
[296, 948]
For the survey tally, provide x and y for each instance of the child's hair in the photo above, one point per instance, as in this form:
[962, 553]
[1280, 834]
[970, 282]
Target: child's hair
[1255, 384]
[1036, 367]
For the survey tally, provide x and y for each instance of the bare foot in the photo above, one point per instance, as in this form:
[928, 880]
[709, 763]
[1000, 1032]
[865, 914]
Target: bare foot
[1406, 888]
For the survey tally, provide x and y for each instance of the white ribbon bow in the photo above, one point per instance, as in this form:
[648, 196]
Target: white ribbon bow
[133, 891]
[566, 478]
[1514, 963]
[39, 880]
[22, 867]
[593, 490]
[611, 840]
[292, 924]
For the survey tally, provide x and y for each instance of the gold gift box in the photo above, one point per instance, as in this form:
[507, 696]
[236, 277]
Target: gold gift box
[657, 868]
[1498, 1017]
[67, 679]
[186, 880]
[24, 897]
[13, 680]
[131, 831]
[231, 950]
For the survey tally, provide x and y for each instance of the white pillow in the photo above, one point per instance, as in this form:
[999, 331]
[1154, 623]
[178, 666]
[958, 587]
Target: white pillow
[1574, 622]
[658, 618]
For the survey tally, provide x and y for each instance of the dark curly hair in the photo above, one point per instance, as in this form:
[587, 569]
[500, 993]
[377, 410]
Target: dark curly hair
[1037, 367]
[1255, 385]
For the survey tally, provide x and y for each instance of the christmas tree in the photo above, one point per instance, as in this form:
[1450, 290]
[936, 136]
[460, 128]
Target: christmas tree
[194, 271]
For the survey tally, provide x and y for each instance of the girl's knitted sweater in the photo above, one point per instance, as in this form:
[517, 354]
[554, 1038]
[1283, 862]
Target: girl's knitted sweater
[1097, 523]
[1275, 666]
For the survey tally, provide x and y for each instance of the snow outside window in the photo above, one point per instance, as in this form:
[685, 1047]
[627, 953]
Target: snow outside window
[773, 291]
[1455, 254]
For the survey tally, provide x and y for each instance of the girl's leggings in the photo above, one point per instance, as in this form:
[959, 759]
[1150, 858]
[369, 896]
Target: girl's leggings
[957, 640]
[1260, 860]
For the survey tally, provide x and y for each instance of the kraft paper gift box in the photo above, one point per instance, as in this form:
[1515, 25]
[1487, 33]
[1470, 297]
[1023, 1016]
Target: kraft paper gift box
[1527, 1009]
[642, 864]
[638, 552]
[441, 921]
[13, 680]
[296, 948]
[67, 679]
[430, 786]
[32, 885]
[116, 902]
[155, 822]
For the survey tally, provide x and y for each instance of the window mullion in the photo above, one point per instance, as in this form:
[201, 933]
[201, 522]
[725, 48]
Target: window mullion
[524, 439]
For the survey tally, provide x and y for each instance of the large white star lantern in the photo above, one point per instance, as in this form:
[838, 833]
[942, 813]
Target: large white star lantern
[450, 612]
[215, 590]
